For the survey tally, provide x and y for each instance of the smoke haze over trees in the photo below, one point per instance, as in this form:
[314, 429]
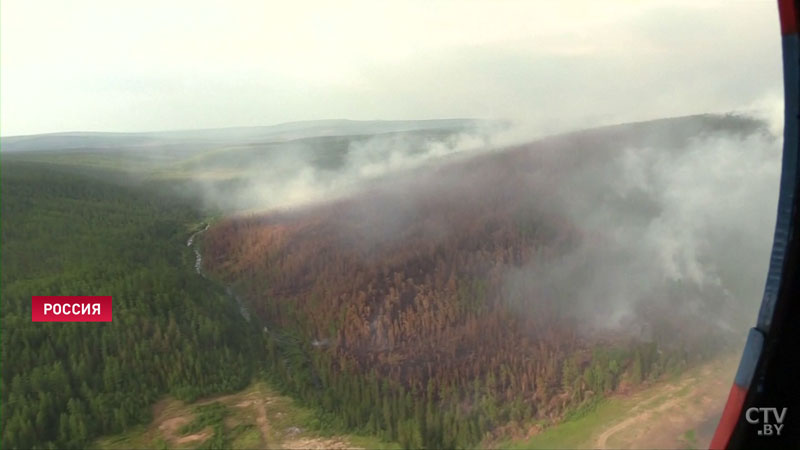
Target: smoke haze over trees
[551, 271]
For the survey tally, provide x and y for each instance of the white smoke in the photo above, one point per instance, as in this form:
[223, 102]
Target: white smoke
[687, 228]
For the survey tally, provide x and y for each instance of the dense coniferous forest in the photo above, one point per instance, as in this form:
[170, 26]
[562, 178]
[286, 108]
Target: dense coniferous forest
[65, 232]
[439, 364]
[413, 310]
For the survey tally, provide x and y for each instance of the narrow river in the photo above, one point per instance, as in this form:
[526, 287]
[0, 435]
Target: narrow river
[198, 267]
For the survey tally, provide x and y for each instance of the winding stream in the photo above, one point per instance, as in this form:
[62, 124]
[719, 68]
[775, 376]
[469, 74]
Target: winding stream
[198, 267]
[198, 258]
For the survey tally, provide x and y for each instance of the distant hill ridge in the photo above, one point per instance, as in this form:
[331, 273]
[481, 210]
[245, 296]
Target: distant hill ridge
[682, 126]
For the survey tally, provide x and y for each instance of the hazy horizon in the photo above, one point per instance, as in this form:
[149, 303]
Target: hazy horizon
[234, 127]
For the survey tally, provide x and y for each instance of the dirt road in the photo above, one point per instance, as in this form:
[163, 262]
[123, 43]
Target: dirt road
[677, 414]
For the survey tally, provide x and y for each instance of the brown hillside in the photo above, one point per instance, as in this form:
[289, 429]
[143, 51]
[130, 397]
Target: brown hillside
[422, 278]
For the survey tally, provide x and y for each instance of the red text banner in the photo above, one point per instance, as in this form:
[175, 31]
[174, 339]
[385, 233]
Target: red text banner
[80, 308]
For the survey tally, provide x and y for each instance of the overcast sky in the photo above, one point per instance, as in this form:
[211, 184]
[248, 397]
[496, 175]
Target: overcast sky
[70, 65]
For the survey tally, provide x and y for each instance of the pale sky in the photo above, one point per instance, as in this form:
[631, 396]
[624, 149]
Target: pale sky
[94, 65]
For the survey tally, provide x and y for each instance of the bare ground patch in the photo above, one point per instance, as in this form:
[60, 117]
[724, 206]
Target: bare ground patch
[196, 437]
[317, 443]
[257, 417]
